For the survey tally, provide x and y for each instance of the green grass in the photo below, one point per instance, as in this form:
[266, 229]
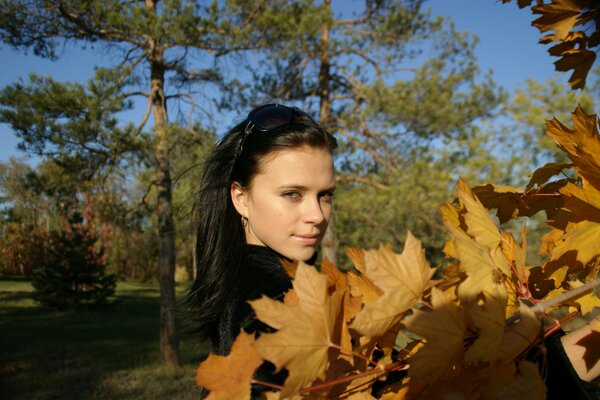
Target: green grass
[102, 354]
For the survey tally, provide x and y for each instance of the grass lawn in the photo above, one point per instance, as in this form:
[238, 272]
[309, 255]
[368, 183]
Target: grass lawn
[100, 354]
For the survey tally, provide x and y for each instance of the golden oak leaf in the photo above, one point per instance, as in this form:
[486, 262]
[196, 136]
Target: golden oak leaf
[527, 384]
[228, 377]
[582, 237]
[305, 330]
[587, 301]
[443, 329]
[402, 277]
[488, 317]
[559, 16]
[482, 272]
[582, 144]
[521, 335]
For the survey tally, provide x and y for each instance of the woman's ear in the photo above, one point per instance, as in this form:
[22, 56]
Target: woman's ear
[239, 198]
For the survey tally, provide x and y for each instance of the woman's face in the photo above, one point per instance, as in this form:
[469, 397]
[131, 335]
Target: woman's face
[288, 203]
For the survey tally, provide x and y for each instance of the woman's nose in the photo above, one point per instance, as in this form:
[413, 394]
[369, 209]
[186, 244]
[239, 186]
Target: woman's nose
[313, 212]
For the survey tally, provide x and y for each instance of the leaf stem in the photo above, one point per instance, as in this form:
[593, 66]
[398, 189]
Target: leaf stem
[543, 305]
[381, 370]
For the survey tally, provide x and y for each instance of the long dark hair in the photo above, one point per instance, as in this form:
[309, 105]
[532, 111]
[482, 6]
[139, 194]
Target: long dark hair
[220, 236]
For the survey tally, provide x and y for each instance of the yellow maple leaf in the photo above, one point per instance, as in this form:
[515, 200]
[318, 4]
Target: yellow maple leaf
[582, 202]
[578, 60]
[588, 300]
[481, 269]
[541, 175]
[488, 318]
[521, 335]
[559, 16]
[443, 329]
[477, 218]
[402, 277]
[526, 385]
[582, 144]
[480, 226]
[583, 238]
[305, 330]
[228, 377]
[360, 285]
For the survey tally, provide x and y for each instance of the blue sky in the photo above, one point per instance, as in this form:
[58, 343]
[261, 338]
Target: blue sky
[508, 45]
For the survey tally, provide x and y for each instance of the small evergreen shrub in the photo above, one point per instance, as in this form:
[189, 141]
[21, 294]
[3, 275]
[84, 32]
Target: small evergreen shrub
[74, 272]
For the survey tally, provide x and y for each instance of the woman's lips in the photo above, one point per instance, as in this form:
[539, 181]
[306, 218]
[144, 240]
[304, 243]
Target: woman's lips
[309, 240]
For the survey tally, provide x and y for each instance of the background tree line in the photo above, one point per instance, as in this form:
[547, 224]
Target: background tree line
[400, 89]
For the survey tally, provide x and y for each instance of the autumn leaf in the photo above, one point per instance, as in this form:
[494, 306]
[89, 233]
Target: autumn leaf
[477, 218]
[521, 335]
[360, 285]
[578, 60]
[582, 238]
[482, 272]
[559, 16]
[588, 301]
[443, 329]
[402, 277]
[541, 175]
[488, 317]
[527, 384]
[228, 377]
[305, 330]
[583, 203]
[582, 144]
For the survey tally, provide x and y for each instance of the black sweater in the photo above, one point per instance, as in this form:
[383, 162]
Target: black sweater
[260, 273]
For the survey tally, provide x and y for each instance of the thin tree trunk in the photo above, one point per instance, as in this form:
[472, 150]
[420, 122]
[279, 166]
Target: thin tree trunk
[330, 241]
[169, 346]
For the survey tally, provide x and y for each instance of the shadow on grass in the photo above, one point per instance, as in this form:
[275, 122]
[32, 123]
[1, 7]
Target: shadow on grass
[107, 353]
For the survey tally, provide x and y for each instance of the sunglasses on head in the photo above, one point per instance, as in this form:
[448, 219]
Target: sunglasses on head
[270, 117]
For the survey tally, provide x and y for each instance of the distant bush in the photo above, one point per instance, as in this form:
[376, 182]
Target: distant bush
[73, 274]
[21, 248]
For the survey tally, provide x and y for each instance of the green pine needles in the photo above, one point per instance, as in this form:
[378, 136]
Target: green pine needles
[73, 274]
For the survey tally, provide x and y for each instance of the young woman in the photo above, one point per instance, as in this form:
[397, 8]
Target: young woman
[266, 194]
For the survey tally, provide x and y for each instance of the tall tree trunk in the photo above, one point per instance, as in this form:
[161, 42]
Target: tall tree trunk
[330, 241]
[169, 347]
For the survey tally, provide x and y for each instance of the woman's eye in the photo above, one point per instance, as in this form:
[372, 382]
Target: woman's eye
[292, 195]
[327, 196]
